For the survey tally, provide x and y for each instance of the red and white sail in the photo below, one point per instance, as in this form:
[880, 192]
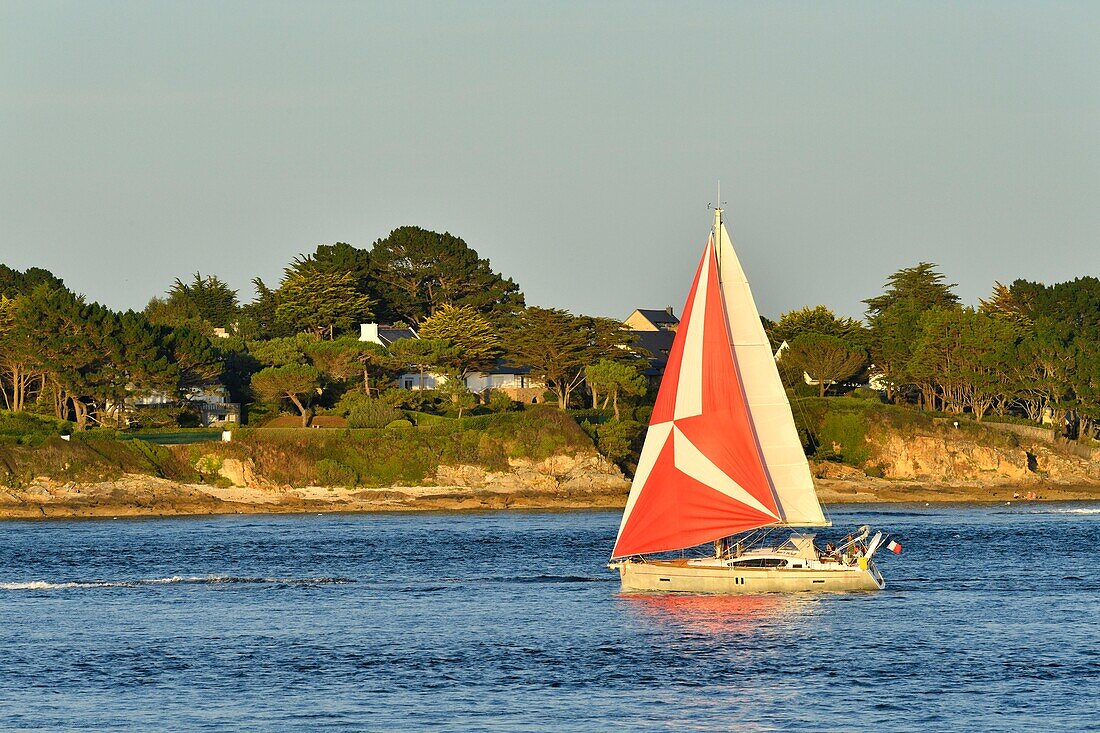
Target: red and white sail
[720, 419]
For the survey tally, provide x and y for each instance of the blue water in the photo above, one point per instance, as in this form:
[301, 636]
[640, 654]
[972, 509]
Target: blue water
[509, 621]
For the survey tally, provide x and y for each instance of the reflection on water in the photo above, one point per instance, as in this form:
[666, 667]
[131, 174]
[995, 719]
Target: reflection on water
[716, 613]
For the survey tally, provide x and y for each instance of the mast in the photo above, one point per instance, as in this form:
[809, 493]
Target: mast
[718, 228]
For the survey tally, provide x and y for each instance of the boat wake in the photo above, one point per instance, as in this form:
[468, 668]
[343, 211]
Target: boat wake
[173, 580]
[564, 579]
[534, 579]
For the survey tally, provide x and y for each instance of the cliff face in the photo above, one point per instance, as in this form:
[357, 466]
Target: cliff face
[577, 472]
[974, 455]
[538, 458]
[940, 459]
[567, 472]
[566, 481]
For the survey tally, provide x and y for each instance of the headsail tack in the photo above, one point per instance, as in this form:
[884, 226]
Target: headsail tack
[705, 471]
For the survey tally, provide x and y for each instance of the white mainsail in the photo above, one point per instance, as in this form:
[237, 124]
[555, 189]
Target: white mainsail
[769, 408]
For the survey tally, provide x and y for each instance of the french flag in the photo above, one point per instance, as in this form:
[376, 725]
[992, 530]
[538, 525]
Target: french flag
[894, 547]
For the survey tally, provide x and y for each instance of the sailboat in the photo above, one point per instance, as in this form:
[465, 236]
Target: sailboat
[723, 465]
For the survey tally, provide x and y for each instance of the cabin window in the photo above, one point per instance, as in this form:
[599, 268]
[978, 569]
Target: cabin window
[408, 384]
[761, 562]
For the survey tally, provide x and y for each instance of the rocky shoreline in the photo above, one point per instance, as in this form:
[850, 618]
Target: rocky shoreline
[542, 462]
[145, 496]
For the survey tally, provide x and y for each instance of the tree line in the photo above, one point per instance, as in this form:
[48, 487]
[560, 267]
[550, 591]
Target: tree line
[79, 361]
[1029, 350]
[296, 343]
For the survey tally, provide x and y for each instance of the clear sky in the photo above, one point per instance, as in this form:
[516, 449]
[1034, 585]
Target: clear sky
[575, 145]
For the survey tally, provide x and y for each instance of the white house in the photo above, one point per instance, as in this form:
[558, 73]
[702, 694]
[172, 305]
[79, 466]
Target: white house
[212, 400]
[513, 381]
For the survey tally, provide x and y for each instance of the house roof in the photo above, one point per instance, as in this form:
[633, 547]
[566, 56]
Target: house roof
[388, 335]
[657, 317]
[658, 344]
[501, 368]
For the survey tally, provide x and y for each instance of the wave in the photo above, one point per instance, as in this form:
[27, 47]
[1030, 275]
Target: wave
[533, 579]
[172, 580]
[564, 579]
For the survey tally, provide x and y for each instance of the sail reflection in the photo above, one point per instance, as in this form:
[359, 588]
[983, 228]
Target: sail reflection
[719, 613]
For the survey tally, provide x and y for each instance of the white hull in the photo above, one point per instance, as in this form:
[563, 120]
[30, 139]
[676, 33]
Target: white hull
[684, 576]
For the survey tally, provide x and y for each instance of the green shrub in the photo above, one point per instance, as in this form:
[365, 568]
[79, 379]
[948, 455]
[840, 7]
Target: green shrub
[349, 401]
[500, 401]
[620, 440]
[97, 435]
[843, 437]
[209, 465]
[257, 413]
[418, 400]
[865, 393]
[595, 416]
[26, 429]
[801, 389]
[334, 473]
[189, 417]
[422, 419]
[398, 424]
[373, 414]
[589, 429]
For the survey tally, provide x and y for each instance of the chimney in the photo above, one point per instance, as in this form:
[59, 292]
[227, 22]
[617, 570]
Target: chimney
[668, 309]
[369, 332]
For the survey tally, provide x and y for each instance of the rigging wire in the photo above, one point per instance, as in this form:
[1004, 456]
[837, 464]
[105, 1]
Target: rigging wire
[796, 402]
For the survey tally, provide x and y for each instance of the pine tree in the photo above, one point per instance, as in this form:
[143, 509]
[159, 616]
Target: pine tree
[477, 345]
[295, 382]
[557, 346]
[322, 303]
[417, 271]
[894, 318]
[826, 359]
[615, 378]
